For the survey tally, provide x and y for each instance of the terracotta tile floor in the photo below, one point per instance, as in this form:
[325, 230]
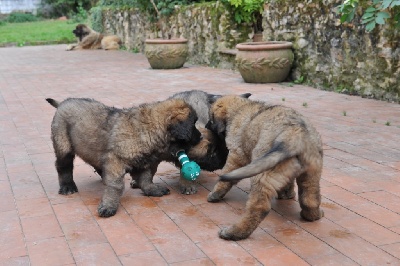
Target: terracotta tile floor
[360, 182]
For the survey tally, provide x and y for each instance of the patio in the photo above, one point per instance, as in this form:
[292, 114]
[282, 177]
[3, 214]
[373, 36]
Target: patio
[360, 181]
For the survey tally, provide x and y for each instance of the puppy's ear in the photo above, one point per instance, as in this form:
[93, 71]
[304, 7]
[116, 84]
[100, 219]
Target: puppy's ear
[181, 123]
[213, 97]
[218, 117]
[245, 95]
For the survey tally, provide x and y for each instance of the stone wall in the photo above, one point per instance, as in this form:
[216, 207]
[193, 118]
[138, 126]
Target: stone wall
[328, 54]
[209, 28]
[334, 56]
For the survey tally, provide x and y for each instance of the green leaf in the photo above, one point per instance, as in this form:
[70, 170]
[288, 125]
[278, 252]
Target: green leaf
[383, 14]
[385, 4]
[370, 26]
[344, 17]
[364, 21]
[370, 9]
[367, 15]
[395, 3]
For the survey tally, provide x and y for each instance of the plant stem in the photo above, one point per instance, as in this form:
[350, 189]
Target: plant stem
[155, 7]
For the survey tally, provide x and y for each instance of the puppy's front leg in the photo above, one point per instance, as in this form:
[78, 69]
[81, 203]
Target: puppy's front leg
[222, 187]
[146, 183]
[113, 177]
[71, 47]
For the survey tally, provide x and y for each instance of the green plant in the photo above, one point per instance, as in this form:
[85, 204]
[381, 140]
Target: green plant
[300, 80]
[21, 17]
[374, 121]
[248, 11]
[63, 7]
[305, 104]
[387, 123]
[80, 15]
[344, 113]
[377, 12]
[283, 99]
[96, 18]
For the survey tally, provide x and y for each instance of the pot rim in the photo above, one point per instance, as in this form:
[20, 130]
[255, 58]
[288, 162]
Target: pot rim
[164, 41]
[267, 45]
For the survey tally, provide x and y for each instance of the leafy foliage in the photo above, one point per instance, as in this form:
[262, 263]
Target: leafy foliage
[80, 15]
[246, 10]
[21, 17]
[378, 12]
[57, 8]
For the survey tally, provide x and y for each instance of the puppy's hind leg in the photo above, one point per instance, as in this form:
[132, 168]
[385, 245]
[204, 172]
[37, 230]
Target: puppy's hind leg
[257, 208]
[64, 166]
[309, 195]
[64, 158]
[287, 192]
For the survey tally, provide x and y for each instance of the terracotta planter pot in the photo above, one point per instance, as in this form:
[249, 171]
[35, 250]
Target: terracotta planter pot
[264, 62]
[166, 53]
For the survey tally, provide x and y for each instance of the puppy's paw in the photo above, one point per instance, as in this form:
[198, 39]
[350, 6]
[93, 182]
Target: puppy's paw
[134, 184]
[106, 211]
[155, 190]
[312, 214]
[213, 197]
[68, 188]
[187, 187]
[69, 48]
[286, 194]
[232, 233]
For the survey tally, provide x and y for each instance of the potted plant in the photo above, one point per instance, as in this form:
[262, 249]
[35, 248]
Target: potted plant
[165, 52]
[250, 12]
[264, 62]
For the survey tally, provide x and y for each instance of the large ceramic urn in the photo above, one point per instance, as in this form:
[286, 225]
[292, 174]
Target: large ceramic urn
[264, 62]
[166, 53]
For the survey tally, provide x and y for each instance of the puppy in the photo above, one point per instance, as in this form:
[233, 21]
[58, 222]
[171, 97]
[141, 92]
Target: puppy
[211, 152]
[200, 101]
[90, 39]
[273, 145]
[116, 141]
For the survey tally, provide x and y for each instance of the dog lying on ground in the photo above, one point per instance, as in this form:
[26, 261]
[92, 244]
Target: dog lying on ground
[90, 39]
[211, 152]
[116, 141]
[273, 145]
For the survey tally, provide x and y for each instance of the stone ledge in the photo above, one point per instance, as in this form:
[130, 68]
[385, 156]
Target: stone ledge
[228, 51]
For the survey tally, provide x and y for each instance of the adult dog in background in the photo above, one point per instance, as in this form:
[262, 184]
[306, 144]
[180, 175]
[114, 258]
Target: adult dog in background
[273, 145]
[118, 141]
[90, 39]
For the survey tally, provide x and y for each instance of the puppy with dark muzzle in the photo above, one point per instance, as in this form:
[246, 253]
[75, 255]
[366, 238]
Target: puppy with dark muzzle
[91, 39]
[273, 145]
[118, 141]
[211, 152]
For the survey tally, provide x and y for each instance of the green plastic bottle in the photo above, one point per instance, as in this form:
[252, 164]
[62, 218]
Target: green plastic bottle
[190, 170]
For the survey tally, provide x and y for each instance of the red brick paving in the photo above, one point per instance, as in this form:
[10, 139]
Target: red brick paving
[360, 182]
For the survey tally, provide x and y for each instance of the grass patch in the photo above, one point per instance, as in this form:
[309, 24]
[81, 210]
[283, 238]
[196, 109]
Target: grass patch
[40, 32]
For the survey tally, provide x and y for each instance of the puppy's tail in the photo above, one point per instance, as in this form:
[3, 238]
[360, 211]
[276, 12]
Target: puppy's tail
[53, 102]
[270, 159]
